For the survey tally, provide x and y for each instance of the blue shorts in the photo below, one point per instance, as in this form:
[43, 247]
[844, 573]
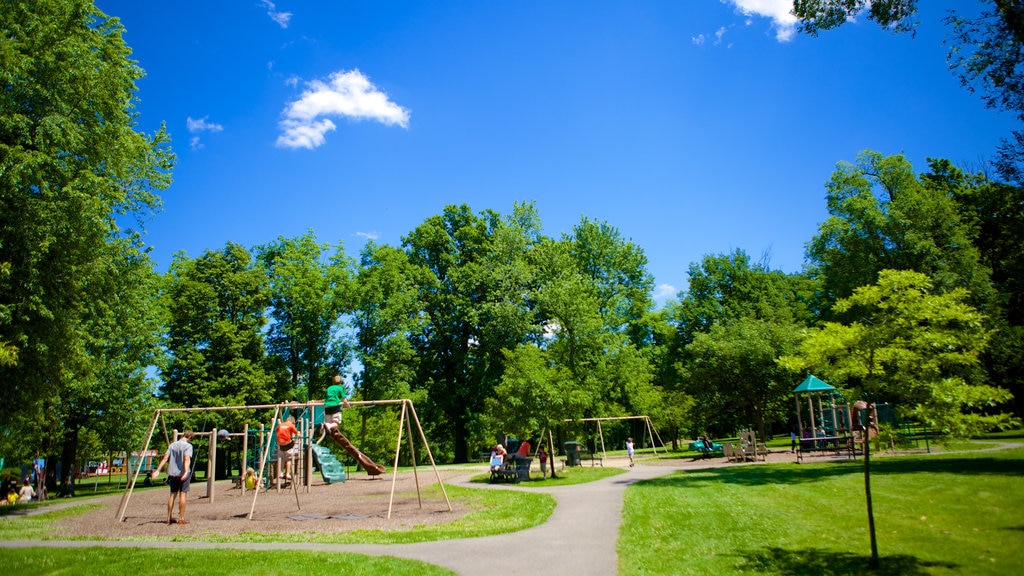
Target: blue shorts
[178, 485]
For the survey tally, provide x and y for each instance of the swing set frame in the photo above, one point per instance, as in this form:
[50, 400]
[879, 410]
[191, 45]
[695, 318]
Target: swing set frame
[408, 416]
[649, 428]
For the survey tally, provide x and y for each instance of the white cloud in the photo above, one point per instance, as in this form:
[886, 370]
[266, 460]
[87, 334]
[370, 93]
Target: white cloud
[777, 10]
[368, 235]
[664, 291]
[281, 18]
[345, 93]
[698, 39]
[201, 125]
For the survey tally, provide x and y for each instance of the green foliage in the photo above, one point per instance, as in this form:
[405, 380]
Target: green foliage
[735, 319]
[882, 217]
[911, 347]
[309, 292]
[216, 305]
[73, 169]
[817, 15]
[736, 380]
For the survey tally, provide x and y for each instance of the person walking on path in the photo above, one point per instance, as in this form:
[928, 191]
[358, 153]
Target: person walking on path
[629, 450]
[179, 475]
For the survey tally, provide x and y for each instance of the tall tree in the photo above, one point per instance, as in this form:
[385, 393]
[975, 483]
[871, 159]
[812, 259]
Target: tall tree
[736, 361]
[881, 216]
[216, 307]
[310, 293]
[72, 166]
[473, 306]
[992, 211]
[735, 319]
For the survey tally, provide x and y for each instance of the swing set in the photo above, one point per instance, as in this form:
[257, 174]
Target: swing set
[268, 441]
[649, 429]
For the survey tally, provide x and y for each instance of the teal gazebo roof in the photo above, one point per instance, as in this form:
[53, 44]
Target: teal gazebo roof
[812, 384]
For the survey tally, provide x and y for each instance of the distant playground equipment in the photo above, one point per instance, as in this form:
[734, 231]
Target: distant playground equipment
[836, 426]
[573, 448]
[310, 418]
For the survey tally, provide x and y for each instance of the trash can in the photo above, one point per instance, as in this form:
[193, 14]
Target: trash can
[572, 453]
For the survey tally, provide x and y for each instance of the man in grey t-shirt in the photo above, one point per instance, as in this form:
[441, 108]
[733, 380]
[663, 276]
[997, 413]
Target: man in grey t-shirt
[179, 475]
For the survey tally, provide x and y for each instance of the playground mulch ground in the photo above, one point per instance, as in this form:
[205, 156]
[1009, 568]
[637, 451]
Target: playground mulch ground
[359, 503]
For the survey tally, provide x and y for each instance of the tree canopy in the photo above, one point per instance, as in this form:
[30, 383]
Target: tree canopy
[73, 168]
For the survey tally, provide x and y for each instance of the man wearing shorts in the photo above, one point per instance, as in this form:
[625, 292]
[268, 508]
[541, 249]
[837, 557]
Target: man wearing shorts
[333, 402]
[179, 475]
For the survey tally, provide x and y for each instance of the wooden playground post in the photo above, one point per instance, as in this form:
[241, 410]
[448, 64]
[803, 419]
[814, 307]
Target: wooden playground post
[211, 465]
[394, 468]
[131, 485]
[426, 446]
[245, 452]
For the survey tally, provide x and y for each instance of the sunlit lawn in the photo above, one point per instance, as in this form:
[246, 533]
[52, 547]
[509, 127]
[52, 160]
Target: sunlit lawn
[103, 561]
[934, 514]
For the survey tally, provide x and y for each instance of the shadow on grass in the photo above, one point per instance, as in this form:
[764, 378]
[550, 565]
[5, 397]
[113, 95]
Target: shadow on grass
[796, 474]
[813, 561]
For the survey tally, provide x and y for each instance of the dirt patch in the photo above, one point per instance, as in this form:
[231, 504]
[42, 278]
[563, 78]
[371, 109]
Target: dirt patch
[357, 504]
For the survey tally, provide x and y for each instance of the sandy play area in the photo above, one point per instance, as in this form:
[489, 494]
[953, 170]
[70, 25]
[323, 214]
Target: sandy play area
[358, 503]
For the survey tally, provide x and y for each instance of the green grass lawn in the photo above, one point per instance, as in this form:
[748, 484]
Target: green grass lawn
[956, 513]
[103, 561]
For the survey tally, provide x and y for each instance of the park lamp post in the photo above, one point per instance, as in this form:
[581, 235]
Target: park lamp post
[865, 425]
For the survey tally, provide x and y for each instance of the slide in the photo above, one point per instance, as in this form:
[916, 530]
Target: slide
[371, 467]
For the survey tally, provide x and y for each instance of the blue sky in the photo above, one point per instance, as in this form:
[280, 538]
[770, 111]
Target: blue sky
[695, 127]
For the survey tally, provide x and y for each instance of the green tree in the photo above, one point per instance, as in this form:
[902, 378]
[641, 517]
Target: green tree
[881, 216]
[992, 211]
[911, 346]
[310, 294]
[735, 319]
[72, 169]
[216, 307]
[736, 362]
[472, 306]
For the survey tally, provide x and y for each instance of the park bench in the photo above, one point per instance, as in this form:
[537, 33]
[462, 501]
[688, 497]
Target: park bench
[515, 469]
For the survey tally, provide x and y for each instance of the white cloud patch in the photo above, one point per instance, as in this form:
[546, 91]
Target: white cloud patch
[698, 40]
[368, 235]
[202, 125]
[345, 93]
[664, 291]
[719, 34]
[197, 126]
[778, 10]
[281, 18]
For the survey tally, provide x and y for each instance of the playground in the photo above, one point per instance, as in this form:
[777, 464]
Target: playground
[361, 503]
